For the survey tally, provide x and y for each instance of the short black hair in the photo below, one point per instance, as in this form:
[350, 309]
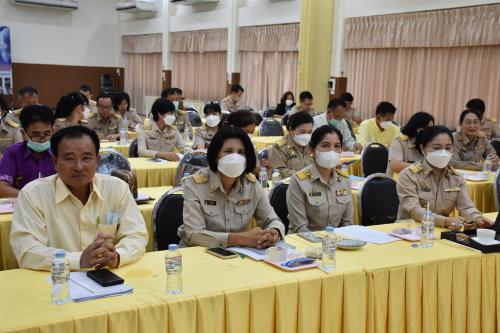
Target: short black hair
[218, 140]
[123, 96]
[168, 92]
[3, 104]
[211, 107]
[178, 91]
[36, 113]
[103, 96]
[235, 88]
[241, 118]
[161, 106]
[347, 97]
[335, 103]
[320, 132]
[429, 133]
[68, 103]
[27, 91]
[476, 104]
[299, 118]
[385, 108]
[305, 95]
[85, 88]
[73, 132]
[417, 121]
[466, 112]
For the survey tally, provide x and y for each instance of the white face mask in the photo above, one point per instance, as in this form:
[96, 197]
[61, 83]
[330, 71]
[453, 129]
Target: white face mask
[213, 120]
[438, 159]
[169, 119]
[288, 102]
[232, 165]
[302, 139]
[328, 159]
[385, 124]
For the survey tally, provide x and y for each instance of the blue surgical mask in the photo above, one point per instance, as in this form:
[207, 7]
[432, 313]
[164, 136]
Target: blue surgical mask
[176, 104]
[39, 147]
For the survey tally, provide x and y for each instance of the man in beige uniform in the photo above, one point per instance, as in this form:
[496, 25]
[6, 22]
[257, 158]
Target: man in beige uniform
[153, 142]
[403, 149]
[210, 216]
[288, 157]
[313, 204]
[9, 134]
[470, 155]
[61, 123]
[105, 122]
[26, 96]
[231, 102]
[419, 185]
[305, 104]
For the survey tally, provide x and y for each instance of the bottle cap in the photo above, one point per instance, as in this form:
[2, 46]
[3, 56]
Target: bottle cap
[329, 229]
[172, 247]
[60, 253]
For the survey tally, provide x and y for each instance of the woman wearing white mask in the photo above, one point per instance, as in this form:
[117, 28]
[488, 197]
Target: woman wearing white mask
[432, 181]
[159, 138]
[204, 134]
[320, 194]
[286, 104]
[221, 201]
[291, 153]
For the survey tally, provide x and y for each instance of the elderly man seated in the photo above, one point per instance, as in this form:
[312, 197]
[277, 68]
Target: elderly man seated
[64, 211]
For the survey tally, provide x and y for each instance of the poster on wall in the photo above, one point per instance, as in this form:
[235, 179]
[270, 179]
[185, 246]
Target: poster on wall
[5, 62]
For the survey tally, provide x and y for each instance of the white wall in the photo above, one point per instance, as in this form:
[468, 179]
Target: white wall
[88, 36]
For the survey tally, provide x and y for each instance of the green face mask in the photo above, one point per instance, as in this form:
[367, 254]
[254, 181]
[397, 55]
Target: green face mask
[38, 147]
[334, 122]
[176, 104]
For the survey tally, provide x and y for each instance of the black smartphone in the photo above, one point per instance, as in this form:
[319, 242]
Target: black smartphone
[222, 253]
[104, 277]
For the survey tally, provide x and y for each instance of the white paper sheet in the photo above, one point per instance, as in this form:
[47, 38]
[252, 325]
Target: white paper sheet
[366, 234]
[82, 288]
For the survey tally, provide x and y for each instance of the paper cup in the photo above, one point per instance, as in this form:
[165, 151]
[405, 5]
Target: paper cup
[486, 234]
[277, 254]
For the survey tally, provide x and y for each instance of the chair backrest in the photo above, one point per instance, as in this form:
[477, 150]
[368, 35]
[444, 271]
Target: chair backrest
[133, 150]
[496, 185]
[277, 198]
[167, 218]
[375, 158]
[496, 145]
[271, 127]
[268, 113]
[112, 160]
[194, 118]
[190, 163]
[258, 118]
[378, 200]
[284, 119]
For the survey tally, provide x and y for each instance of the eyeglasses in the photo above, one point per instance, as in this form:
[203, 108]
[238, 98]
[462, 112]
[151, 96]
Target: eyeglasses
[107, 107]
[39, 138]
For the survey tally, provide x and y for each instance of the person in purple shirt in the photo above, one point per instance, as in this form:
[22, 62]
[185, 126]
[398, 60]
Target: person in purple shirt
[31, 159]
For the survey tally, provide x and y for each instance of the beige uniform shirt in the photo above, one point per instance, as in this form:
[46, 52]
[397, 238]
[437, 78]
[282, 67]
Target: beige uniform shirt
[9, 134]
[228, 104]
[48, 216]
[210, 216]
[14, 116]
[203, 136]
[61, 123]
[313, 204]
[102, 126]
[182, 123]
[470, 155]
[288, 157]
[418, 184]
[403, 149]
[298, 108]
[151, 140]
[490, 128]
[132, 118]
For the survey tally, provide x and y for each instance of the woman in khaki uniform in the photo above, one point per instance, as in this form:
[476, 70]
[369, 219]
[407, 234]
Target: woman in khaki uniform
[471, 147]
[221, 201]
[432, 181]
[69, 111]
[403, 151]
[121, 104]
[204, 134]
[320, 194]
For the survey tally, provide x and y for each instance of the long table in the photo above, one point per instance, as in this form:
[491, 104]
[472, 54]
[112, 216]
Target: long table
[381, 288]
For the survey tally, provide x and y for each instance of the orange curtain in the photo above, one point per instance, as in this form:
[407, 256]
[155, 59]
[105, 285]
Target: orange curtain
[199, 63]
[269, 58]
[432, 61]
[142, 58]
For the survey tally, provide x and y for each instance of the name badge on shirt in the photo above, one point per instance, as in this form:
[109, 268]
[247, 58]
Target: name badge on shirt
[211, 202]
[242, 202]
[425, 188]
[315, 194]
[452, 189]
[341, 192]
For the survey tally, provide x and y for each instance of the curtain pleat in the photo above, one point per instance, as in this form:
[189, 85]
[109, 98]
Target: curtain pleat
[142, 43]
[213, 40]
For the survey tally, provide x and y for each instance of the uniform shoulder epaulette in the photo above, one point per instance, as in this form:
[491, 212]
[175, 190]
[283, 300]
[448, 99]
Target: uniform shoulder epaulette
[92, 115]
[116, 115]
[342, 173]
[281, 142]
[454, 171]
[84, 121]
[61, 120]
[481, 134]
[200, 178]
[303, 174]
[182, 112]
[17, 112]
[416, 168]
[92, 102]
[251, 177]
[493, 120]
[147, 124]
[12, 123]
[404, 137]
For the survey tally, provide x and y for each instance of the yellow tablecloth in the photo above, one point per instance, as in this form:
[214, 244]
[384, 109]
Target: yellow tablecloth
[123, 149]
[150, 174]
[262, 142]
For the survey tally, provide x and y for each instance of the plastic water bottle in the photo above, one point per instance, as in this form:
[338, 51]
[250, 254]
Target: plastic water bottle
[276, 177]
[123, 131]
[427, 229]
[173, 267]
[60, 277]
[264, 179]
[487, 166]
[329, 246]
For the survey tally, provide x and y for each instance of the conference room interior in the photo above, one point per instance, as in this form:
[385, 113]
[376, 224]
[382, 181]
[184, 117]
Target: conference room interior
[249, 166]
